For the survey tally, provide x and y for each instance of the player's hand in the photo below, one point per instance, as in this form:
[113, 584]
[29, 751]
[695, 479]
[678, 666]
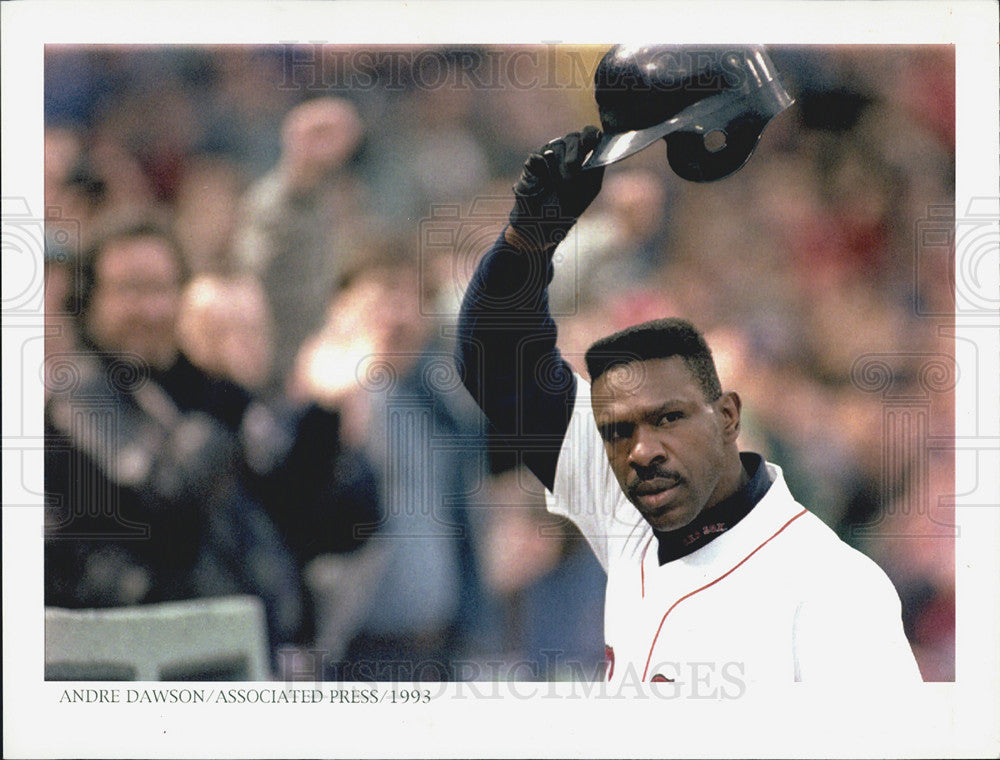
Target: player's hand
[553, 191]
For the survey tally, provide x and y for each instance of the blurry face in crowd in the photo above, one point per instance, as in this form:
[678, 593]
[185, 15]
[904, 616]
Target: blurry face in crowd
[401, 327]
[225, 328]
[636, 200]
[672, 451]
[136, 300]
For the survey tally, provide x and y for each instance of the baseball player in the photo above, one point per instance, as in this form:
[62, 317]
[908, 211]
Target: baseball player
[710, 560]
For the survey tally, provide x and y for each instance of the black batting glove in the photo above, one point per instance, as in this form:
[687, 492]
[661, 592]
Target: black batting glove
[553, 191]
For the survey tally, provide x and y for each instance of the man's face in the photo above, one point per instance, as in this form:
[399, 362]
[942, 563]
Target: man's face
[401, 327]
[673, 452]
[136, 300]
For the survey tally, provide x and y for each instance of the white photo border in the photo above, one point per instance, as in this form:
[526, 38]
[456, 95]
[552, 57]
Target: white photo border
[864, 719]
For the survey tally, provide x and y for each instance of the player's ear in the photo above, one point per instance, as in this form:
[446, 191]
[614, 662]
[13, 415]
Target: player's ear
[729, 406]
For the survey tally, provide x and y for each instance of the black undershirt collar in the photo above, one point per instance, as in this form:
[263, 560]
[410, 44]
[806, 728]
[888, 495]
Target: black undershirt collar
[716, 520]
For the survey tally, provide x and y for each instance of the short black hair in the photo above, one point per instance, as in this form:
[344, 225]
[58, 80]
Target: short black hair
[122, 229]
[657, 339]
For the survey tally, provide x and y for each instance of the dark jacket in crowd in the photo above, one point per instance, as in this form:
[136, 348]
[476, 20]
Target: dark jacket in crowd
[175, 485]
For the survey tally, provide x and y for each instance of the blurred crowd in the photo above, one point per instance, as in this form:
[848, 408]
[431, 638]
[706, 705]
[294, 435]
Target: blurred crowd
[264, 247]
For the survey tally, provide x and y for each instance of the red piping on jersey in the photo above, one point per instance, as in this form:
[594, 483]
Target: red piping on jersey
[642, 567]
[692, 593]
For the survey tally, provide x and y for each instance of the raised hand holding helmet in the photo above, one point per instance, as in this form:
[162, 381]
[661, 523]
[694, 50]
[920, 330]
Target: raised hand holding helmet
[553, 191]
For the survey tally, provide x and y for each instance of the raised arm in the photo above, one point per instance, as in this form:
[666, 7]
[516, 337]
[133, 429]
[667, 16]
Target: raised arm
[506, 351]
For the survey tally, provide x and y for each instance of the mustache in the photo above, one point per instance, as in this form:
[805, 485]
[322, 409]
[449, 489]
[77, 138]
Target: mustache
[651, 479]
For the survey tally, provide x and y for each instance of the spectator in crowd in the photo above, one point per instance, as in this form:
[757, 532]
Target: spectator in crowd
[298, 224]
[426, 441]
[163, 482]
[60, 334]
[428, 149]
[74, 198]
[619, 249]
[246, 93]
[546, 585]
[75, 193]
[208, 196]
[225, 329]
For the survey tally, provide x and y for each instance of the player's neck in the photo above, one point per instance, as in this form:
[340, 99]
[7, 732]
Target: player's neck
[715, 520]
[733, 479]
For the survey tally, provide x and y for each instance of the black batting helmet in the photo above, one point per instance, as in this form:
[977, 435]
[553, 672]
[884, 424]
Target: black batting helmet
[684, 94]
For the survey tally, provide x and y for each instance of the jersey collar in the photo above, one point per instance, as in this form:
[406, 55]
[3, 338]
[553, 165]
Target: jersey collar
[716, 520]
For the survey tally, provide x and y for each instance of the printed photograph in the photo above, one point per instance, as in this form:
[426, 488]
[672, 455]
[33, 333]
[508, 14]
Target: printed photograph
[411, 380]
[318, 322]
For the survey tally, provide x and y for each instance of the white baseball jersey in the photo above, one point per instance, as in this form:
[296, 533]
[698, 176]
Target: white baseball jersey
[776, 598]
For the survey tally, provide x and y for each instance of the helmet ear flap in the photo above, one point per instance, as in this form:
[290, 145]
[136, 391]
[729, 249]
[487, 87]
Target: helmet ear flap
[695, 156]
